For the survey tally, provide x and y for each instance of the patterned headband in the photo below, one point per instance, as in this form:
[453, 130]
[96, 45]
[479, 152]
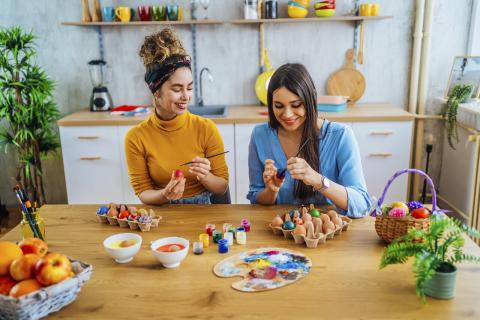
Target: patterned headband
[160, 72]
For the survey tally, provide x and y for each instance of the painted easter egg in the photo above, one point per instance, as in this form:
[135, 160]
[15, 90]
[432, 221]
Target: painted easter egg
[399, 204]
[288, 225]
[315, 213]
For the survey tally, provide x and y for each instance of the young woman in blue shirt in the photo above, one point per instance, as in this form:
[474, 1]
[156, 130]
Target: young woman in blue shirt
[328, 168]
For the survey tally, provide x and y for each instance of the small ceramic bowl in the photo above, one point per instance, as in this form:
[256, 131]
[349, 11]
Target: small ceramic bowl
[126, 254]
[170, 259]
[324, 12]
[296, 12]
[297, 5]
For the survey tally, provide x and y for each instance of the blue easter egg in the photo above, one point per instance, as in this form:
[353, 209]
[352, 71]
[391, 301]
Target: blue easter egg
[292, 213]
[289, 225]
[102, 211]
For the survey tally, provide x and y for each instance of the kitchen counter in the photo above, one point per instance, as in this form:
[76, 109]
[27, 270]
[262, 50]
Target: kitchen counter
[344, 282]
[248, 114]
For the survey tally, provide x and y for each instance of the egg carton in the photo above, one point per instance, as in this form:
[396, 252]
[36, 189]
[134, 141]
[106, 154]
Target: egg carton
[313, 236]
[128, 223]
[125, 223]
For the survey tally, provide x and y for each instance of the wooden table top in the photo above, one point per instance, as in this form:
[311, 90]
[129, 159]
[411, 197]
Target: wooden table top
[344, 282]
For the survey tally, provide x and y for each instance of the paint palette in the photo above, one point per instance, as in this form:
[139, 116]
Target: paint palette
[310, 226]
[264, 268]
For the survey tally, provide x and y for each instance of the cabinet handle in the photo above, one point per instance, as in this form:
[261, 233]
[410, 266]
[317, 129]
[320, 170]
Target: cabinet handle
[90, 158]
[88, 137]
[379, 133]
[384, 154]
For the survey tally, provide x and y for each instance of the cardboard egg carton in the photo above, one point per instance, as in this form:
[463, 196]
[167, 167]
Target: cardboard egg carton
[311, 231]
[113, 215]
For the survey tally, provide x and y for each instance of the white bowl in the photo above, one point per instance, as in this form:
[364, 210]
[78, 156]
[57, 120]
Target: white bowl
[122, 255]
[170, 259]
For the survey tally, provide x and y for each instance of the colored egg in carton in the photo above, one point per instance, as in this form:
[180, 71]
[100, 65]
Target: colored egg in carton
[126, 217]
[309, 225]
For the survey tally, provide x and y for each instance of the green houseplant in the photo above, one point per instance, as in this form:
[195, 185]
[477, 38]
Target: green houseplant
[436, 251]
[449, 111]
[27, 109]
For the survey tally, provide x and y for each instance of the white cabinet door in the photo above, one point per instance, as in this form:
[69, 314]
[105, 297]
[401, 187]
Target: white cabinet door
[242, 140]
[91, 162]
[128, 194]
[227, 132]
[384, 150]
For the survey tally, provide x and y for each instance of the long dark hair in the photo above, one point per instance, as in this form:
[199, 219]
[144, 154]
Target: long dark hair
[296, 79]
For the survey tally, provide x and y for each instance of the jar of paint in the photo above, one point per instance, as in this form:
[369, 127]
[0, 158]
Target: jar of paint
[209, 227]
[205, 239]
[222, 246]
[217, 235]
[198, 247]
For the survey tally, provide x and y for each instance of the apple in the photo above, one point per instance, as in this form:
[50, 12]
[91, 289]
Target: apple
[420, 213]
[33, 245]
[53, 268]
[178, 174]
[23, 267]
[6, 284]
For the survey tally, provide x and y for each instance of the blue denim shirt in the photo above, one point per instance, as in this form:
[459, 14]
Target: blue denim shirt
[339, 161]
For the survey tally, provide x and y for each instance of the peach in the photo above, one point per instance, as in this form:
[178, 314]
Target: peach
[33, 245]
[24, 287]
[10, 251]
[6, 284]
[23, 267]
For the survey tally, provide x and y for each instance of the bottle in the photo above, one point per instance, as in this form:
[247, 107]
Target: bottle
[38, 225]
[250, 9]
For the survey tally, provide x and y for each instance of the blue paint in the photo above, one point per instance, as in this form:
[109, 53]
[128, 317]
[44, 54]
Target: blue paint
[222, 246]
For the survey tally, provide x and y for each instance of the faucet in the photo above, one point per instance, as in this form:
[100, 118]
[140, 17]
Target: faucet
[210, 78]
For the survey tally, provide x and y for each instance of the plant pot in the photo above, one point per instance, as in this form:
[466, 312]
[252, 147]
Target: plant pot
[442, 285]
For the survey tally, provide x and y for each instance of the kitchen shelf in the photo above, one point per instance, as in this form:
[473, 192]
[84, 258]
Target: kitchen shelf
[313, 19]
[140, 23]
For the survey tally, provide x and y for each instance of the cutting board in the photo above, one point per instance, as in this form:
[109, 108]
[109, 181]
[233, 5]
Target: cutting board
[347, 81]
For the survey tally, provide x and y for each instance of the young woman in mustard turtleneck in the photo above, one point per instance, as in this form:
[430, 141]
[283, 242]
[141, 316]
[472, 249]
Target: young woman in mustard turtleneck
[172, 136]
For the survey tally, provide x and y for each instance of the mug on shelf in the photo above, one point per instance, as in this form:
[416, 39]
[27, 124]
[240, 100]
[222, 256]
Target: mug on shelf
[144, 13]
[159, 13]
[173, 12]
[108, 14]
[123, 13]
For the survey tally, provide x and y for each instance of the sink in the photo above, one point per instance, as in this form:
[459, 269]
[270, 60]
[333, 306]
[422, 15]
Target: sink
[210, 111]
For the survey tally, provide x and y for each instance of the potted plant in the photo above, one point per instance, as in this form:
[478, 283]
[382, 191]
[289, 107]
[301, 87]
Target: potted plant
[27, 109]
[436, 252]
[459, 94]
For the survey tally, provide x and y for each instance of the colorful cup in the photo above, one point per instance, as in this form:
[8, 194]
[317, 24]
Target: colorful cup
[173, 12]
[217, 235]
[364, 9]
[229, 237]
[209, 227]
[108, 14]
[159, 13]
[123, 13]
[144, 13]
[198, 247]
[222, 246]
[374, 9]
[241, 237]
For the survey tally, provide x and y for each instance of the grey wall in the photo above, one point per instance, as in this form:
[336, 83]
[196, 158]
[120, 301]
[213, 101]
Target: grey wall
[231, 53]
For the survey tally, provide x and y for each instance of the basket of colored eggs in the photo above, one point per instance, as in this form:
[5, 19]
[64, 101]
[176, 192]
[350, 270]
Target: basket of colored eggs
[309, 225]
[393, 220]
[125, 217]
[298, 8]
[324, 8]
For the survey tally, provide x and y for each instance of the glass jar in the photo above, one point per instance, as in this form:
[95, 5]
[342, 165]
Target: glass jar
[38, 224]
[271, 9]
[250, 9]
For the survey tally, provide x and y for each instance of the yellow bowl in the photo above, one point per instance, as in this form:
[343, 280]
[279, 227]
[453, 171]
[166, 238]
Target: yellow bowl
[296, 12]
[324, 12]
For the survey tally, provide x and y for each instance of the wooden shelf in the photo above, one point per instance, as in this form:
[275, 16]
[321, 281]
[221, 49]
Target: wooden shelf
[313, 19]
[140, 23]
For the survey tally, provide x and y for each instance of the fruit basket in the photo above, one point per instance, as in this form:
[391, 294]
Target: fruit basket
[125, 217]
[393, 221]
[310, 226]
[46, 300]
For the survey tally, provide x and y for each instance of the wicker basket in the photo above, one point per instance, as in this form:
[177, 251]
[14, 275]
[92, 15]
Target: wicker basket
[50, 299]
[389, 228]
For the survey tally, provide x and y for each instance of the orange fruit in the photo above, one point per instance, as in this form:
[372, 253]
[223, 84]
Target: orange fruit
[24, 287]
[9, 251]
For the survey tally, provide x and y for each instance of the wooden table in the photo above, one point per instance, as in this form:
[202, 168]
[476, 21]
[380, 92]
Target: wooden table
[345, 281]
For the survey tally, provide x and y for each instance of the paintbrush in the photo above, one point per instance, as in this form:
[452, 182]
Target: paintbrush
[281, 173]
[218, 154]
[28, 214]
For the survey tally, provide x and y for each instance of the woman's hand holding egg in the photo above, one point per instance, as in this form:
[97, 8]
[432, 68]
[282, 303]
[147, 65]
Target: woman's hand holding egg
[200, 167]
[175, 187]
[299, 169]
[270, 176]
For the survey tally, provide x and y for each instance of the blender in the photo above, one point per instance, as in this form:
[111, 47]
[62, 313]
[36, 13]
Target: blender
[100, 75]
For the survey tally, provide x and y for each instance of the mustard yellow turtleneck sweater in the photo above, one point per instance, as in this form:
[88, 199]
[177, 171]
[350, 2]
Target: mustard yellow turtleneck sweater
[155, 147]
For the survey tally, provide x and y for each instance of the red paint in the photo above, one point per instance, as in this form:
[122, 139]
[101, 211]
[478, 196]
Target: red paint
[178, 174]
[168, 247]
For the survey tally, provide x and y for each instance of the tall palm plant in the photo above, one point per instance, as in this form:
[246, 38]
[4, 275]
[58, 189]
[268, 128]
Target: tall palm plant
[27, 109]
